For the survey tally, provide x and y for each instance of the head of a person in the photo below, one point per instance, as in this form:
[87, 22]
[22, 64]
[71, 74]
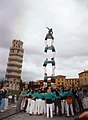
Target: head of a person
[39, 91]
[49, 90]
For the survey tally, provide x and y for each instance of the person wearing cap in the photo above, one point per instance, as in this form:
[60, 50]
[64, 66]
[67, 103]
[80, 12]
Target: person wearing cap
[49, 36]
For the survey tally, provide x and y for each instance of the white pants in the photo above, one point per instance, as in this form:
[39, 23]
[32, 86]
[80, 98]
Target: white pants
[67, 108]
[43, 109]
[28, 105]
[39, 103]
[36, 107]
[45, 71]
[6, 103]
[49, 106]
[53, 70]
[32, 107]
[53, 54]
[63, 106]
[52, 41]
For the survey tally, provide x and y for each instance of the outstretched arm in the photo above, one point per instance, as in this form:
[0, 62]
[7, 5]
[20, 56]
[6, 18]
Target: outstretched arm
[47, 28]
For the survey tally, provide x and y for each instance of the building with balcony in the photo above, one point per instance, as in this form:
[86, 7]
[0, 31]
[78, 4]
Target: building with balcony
[14, 65]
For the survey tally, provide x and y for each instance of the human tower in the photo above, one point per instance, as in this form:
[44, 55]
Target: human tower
[51, 60]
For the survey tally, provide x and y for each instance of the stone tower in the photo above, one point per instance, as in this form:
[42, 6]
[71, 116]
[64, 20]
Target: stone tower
[14, 65]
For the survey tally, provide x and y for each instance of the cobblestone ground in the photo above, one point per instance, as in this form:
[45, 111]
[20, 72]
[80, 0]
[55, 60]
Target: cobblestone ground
[25, 116]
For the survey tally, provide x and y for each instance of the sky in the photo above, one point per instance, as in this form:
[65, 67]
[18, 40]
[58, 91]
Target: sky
[27, 20]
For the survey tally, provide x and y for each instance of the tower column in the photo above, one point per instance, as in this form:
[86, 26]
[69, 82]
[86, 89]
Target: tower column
[14, 64]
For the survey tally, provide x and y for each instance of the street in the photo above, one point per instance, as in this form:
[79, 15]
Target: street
[9, 115]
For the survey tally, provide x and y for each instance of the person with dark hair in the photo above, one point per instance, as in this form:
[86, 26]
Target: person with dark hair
[49, 36]
[68, 96]
[39, 102]
[3, 100]
[80, 98]
[29, 95]
[50, 33]
[57, 102]
[63, 101]
[20, 99]
[6, 99]
[49, 102]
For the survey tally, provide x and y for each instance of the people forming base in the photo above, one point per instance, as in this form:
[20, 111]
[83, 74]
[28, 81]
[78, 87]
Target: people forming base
[58, 101]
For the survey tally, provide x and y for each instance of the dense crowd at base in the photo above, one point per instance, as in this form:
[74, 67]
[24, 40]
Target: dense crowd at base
[50, 101]
[58, 101]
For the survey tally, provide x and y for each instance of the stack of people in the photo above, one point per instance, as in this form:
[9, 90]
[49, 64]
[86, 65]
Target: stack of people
[50, 60]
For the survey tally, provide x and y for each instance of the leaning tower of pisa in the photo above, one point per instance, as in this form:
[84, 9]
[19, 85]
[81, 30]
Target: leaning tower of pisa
[51, 59]
[14, 65]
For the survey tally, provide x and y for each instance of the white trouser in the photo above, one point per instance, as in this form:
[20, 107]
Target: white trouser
[49, 106]
[45, 71]
[43, 108]
[28, 105]
[63, 106]
[67, 108]
[22, 104]
[53, 70]
[52, 41]
[53, 54]
[39, 101]
[36, 107]
[32, 106]
[45, 42]
[6, 103]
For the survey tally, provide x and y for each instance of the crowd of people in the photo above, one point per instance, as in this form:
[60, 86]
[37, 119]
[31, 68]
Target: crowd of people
[50, 101]
[58, 101]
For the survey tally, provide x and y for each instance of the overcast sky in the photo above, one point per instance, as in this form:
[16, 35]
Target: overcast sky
[27, 20]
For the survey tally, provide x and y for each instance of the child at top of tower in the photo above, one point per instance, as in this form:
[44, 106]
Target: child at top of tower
[49, 34]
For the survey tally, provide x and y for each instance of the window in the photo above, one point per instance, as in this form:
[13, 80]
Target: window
[58, 82]
[14, 45]
[19, 45]
[17, 51]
